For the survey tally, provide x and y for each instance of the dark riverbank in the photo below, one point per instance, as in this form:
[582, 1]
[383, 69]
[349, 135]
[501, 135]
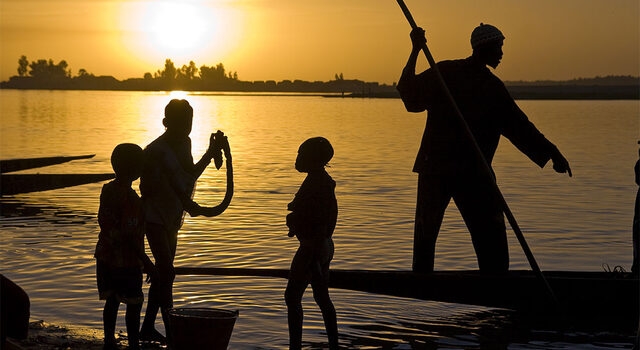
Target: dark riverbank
[45, 336]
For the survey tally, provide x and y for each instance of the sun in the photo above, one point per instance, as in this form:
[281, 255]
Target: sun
[177, 26]
[204, 31]
[184, 28]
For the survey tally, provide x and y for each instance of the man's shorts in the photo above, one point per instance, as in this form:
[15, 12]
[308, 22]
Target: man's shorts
[125, 283]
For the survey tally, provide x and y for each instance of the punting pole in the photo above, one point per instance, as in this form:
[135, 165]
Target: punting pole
[478, 154]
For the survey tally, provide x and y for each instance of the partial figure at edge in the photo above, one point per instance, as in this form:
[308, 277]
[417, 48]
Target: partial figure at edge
[636, 220]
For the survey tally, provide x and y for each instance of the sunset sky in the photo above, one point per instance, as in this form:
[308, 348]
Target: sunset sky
[314, 40]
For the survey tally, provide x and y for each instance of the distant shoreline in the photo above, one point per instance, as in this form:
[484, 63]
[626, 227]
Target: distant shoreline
[543, 92]
[599, 88]
[517, 92]
[44, 74]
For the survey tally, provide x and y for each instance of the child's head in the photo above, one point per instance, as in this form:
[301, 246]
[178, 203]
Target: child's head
[314, 154]
[178, 116]
[127, 160]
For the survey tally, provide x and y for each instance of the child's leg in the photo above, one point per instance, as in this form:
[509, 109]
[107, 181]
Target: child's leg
[152, 308]
[109, 316]
[148, 331]
[164, 310]
[293, 298]
[132, 319]
[160, 295]
[321, 296]
[320, 286]
[299, 277]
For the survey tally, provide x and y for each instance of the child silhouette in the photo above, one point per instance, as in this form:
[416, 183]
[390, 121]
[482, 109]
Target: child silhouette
[120, 254]
[314, 212]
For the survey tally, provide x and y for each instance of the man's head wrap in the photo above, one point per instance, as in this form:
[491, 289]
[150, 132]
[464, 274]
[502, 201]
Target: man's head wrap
[485, 34]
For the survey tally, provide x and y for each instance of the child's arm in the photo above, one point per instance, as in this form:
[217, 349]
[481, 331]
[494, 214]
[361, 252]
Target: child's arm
[148, 267]
[109, 216]
[213, 152]
[108, 212]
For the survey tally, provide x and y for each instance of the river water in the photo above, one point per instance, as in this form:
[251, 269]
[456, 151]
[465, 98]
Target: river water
[581, 223]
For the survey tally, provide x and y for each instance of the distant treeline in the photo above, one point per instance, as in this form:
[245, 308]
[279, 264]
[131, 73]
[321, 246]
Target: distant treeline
[45, 74]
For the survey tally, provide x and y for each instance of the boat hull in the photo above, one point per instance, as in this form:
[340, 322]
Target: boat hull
[580, 300]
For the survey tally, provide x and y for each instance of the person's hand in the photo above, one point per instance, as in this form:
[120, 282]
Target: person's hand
[290, 224]
[224, 143]
[152, 273]
[212, 142]
[418, 38]
[560, 163]
[215, 146]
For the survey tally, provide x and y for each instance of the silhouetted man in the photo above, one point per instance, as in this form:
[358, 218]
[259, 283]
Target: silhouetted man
[446, 163]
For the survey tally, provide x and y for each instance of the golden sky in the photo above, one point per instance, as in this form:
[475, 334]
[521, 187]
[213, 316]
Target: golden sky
[314, 40]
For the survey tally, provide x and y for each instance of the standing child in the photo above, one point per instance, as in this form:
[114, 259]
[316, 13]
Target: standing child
[120, 255]
[314, 212]
[166, 185]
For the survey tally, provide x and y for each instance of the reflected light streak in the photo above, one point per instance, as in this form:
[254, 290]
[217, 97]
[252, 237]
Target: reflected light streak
[178, 94]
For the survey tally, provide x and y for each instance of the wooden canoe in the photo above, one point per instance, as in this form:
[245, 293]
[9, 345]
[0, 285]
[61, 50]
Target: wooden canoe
[11, 184]
[596, 300]
[11, 165]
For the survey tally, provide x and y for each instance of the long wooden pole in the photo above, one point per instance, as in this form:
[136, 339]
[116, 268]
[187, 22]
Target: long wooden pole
[480, 156]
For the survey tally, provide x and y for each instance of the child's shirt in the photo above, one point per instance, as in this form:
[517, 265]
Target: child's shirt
[121, 238]
[314, 209]
[167, 182]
